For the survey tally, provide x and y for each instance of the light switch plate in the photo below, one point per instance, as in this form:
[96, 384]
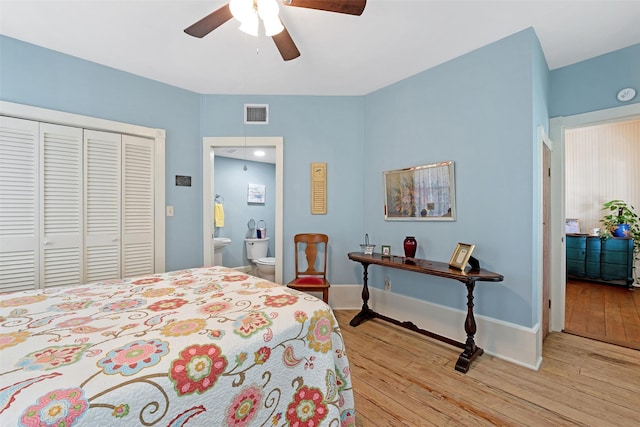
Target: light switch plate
[169, 210]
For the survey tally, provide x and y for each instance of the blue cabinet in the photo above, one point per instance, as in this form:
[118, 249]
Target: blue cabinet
[593, 255]
[602, 260]
[576, 255]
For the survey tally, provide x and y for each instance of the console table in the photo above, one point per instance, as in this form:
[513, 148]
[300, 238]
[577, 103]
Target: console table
[469, 277]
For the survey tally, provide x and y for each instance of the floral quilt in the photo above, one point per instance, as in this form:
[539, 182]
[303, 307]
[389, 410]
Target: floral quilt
[199, 347]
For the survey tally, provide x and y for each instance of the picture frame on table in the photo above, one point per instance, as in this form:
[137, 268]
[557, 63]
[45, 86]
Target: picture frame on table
[461, 255]
[386, 250]
[572, 226]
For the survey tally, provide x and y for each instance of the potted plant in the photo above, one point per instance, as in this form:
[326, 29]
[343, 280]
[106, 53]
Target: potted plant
[622, 221]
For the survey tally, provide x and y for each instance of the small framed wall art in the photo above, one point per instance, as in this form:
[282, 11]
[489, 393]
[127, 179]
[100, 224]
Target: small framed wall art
[256, 193]
[420, 193]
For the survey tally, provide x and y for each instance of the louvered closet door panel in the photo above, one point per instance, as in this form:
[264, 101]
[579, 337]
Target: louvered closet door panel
[102, 205]
[138, 204]
[19, 248]
[61, 205]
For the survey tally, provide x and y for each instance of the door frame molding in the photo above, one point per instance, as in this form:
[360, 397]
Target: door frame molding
[29, 112]
[557, 128]
[544, 143]
[209, 143]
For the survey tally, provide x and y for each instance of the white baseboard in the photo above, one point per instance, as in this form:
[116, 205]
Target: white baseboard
[507, 341]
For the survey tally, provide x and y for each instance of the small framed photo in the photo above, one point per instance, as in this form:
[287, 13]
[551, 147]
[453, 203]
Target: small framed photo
[461, 256]
[572, 226]
[386, 250]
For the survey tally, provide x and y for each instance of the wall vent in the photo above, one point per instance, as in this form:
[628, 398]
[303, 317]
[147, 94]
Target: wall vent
[256, 114]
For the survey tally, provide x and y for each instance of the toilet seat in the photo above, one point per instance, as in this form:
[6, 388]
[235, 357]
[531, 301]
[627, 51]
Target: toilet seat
[266, 261]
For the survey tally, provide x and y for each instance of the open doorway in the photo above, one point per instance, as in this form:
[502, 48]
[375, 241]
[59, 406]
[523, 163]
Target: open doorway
[558, 128]
[602, 164]
[211, 143]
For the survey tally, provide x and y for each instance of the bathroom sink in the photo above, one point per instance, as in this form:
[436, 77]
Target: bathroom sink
[220, 242]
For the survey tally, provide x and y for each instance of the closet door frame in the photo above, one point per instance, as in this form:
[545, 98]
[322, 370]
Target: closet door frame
[86, 122]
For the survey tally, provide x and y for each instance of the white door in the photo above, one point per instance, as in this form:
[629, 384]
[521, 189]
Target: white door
[138, 206]
[102, 205]
[61, 226]
[19, 243]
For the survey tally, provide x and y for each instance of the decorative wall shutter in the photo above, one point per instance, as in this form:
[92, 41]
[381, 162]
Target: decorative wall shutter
[19, 243]
[102, 206]
[61, 205]
[138, 206]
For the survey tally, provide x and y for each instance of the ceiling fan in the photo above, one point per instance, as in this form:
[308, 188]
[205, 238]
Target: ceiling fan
[249, 12]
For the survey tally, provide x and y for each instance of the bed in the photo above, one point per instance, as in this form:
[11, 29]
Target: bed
[198, 347]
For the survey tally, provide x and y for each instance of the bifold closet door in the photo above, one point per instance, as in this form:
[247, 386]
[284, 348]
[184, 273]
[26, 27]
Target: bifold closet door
[76, 206]
[119, 206]
[102, 219]
[40, 205]
[61, 206]
[19, 201]
[138, 206]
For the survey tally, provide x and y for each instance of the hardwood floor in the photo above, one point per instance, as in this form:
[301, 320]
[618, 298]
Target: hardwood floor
[401, 378]
[603, 312]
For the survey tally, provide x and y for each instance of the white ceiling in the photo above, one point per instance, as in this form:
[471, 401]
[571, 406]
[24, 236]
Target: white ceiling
[250, 154]
[341, 54]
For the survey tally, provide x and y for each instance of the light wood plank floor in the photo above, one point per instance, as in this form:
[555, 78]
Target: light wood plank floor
[401, 378]
[603, 312]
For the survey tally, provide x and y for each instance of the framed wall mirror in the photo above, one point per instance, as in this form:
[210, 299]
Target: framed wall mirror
[420, 193]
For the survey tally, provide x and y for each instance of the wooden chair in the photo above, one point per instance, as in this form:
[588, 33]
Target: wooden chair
[311, 280]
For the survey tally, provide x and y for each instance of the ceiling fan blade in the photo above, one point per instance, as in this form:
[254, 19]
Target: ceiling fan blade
[351, 7]
[209, 22]
[285, 45]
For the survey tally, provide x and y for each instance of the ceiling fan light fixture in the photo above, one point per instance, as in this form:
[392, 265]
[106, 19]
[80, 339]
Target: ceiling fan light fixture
[250, 25]
[250, 12]
[268, 11]
[242, 9]
[272, 25]
[267, 8]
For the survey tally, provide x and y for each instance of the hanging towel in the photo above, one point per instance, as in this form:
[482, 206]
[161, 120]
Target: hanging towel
[218, 215]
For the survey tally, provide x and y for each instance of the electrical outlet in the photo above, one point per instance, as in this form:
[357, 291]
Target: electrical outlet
[387, 284]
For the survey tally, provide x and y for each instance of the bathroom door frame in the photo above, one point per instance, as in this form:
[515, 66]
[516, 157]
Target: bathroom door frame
[208, 144]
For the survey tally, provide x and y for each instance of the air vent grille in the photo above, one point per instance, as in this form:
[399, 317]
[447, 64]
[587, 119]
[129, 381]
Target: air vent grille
[256, 114]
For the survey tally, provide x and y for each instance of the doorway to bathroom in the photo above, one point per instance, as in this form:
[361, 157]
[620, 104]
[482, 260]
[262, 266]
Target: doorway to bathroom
[210, 144]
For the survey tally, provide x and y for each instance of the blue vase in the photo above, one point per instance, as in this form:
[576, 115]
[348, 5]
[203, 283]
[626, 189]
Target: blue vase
[621, 230]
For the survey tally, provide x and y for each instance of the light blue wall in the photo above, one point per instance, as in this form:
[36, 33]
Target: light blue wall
[592, 85]
[41, 77]
[314, 129]
[231, 183]
[480, 110]
[477, 111]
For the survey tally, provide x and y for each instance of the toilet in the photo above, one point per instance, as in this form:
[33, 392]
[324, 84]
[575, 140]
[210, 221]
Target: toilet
[257, 253]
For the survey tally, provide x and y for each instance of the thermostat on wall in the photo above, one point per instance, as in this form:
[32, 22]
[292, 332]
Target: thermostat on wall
[183, 181]
[626, 94]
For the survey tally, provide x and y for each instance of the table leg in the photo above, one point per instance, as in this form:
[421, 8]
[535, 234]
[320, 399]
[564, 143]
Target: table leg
[471, 351]
[366, 313]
